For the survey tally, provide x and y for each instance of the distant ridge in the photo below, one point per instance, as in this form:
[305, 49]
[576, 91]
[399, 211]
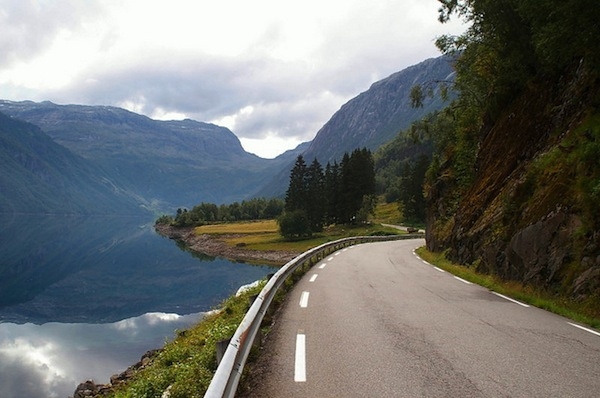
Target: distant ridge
[372, 118]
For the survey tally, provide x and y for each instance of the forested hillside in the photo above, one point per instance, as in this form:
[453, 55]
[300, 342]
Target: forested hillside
[514, 188]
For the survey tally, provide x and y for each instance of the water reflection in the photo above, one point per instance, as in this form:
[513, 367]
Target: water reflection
[96, 270]
[84, 298]
[52, 359]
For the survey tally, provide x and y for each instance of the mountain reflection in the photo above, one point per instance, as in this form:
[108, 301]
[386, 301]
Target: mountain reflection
[85, 297]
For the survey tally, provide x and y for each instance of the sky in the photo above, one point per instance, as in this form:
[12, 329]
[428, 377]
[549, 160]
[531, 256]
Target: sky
[272, 71]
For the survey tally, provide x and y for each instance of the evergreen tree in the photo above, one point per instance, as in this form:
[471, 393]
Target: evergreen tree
[296, 195]
[332, 188]
[315, 196]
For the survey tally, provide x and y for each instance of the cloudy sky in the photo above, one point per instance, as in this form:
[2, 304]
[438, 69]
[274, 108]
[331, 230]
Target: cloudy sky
[273, 71]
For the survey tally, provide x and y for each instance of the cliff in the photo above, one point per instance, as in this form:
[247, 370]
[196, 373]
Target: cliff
[531, 209]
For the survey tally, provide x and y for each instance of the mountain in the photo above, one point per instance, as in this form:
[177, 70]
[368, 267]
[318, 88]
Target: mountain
[40, 176]
[374, 117]
[161, 164]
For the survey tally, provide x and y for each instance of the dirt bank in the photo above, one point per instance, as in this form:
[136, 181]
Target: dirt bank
[216, 245]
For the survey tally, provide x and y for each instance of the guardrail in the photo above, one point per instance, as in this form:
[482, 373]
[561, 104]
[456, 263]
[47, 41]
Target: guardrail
[225, 381]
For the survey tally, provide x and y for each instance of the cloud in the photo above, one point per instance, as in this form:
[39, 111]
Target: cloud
[293, 64]
[52, 359]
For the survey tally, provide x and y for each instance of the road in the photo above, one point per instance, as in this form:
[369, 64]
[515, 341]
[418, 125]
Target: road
[374, 320]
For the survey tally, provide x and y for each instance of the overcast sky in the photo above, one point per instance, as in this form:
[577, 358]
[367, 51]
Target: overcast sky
[273, 71]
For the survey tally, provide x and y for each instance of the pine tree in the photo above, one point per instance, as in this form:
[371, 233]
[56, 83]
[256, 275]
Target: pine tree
[315, 196]
[296, 195]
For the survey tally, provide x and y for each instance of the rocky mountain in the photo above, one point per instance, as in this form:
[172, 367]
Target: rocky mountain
[40, 176]
[374, 117]
[162, 165]
[377, 115]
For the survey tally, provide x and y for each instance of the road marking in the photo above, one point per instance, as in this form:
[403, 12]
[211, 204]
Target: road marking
[512, 300]
[330, 259]
[337, 253]
[304, 300]
[438, 269]
[300, 363]
[462, 280]
[322, 265]
[313, 278]
[583, 328]
[345, 249]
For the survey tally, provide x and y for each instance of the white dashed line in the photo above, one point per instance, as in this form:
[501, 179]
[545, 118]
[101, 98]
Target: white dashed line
[462, 280]
[300, 363]
[586, 329]
[337, 253]
[313, 278]
[304, 299]
[330, 259]
[438, 269]
[511, 300]
[322, 265]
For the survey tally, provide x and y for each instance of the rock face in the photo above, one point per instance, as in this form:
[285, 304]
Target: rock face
[530, 213]
[89, 388]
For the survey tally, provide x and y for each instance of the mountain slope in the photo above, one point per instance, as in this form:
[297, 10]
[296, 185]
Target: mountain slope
[373, 118]
[40, 176]
[164, 164]
[376, 116]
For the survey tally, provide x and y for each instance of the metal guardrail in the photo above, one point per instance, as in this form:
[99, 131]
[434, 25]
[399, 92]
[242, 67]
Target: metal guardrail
[225, 381]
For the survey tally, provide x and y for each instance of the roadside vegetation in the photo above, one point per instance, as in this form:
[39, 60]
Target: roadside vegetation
[185, 365]
[583, 312]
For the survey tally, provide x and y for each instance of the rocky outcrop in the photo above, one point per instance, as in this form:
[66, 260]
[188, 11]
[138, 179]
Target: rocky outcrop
[529, 213]
[91, 389]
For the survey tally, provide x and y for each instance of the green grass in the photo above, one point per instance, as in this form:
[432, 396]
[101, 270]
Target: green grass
[583, 312]
[186, 365]
[264, 235]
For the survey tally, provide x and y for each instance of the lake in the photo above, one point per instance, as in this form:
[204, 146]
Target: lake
[85, 297]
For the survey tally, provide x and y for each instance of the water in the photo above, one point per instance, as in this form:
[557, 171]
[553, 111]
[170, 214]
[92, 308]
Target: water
[84, 298]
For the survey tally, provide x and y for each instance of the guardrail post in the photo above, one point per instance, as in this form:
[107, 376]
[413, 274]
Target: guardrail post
[221, 348]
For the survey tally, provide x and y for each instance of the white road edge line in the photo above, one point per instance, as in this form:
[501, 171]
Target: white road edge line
[322, 265]
[337, 253]
[313, 278]
[462, 280]
[584, 328]
[512, 300]
[300, 362]
[304, 299]
[438, 269]
[330, 259]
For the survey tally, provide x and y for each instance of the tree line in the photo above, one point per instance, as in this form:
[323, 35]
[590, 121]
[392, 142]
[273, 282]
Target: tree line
[341, 193]
[206, 213]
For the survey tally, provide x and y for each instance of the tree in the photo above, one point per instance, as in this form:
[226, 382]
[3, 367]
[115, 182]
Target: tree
[357, 180]
[295, 197]
[315, 196]
[294, 224]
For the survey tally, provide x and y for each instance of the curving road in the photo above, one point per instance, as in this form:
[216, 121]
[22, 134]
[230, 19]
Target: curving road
[376, 321]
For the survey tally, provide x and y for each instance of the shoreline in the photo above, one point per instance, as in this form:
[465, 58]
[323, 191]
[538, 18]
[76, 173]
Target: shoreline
[216, 246]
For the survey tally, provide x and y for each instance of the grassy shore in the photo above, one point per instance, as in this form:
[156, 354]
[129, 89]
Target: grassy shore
[264, 235]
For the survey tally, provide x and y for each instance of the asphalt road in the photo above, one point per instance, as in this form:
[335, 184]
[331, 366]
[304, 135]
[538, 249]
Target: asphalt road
[374, 320]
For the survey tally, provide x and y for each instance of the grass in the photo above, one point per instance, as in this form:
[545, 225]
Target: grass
[387, 213]
[582, 312]
[186, 365]
[264, 235]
